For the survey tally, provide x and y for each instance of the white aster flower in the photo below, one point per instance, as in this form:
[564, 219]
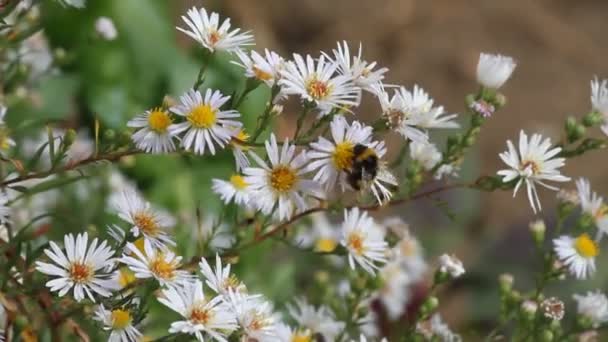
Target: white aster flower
[364, 240]
[533, 164]
[220, 280]
[435, 327]
[83, 267]
[234, 189]
[593, 205]
[451, 265]
[594, 306]
[162, 265]
[281, 182]
[322, 234]
[105, 28]
[318, 83]
[285, 333]
[333, 159]
[384, 180]
[578, 254]
[202, 316]
[426, 154]
[359, 70]
[446, 170]
[266, 68]
[206, 125]
[207, 30]
[120, 322]
[395, 293]
[494, 70]
[429, 117]
[254, 315]
[145, 221]
[154, 134]
[319, 320]
[217, 235]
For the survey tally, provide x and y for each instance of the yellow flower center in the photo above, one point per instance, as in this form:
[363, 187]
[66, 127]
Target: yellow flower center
[586, 247]
[159, 120]
[163, 269]
[231, 283]
[301, 336]
[214, 37]
[146, 223]
[317, 89]
[125, 277]
[202, 116]
[283, 178]
[80, 273]
[325, 245]
[238, 182]
[355, 242]
[200, 315]
[342, 156]
[532, 165]
[240, 137]
[120, 319]
[261, 74]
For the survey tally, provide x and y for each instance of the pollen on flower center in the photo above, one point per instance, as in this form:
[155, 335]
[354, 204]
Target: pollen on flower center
[301, 337]
[355, 242]
[202, 116]
[146, 223]
[159, 120]
[80, 272]
[342, 156]
[120, 319]
[238, 182]
[200, 316]
[261, 74]
[283, 178]
[214, 37]
[162, 268]
[586, 247]
[317, 89]
[534, 167]
[231, 283]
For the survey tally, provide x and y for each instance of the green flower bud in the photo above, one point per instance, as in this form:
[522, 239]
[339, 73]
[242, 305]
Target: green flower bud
[547, 336]
[593, 119]
[506, 281]
[538, 228]
[429, 306]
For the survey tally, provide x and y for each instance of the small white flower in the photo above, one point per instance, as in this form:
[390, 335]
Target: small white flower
[395, 292]
[319, 320]
[220, 280]
[594, 306]
[435, 327]
[235, 189]
[578, 254]
[529, 306]
[494, 70]
[215, 234]
[599, 96]
[201, 316]
[162, 265]
[207, 30]
[150, 223]
[447, 170]
[534, 164]
[593, 205]
[154, 133]
[119, 322]
[281, 182]
[359, 70]
[105, 28]
[286, 334]
[451, 265]
[426, 154]
[83, 267]
[254, 315]
[363, 239]
[265, 68]
[206, 125]
[318, 83]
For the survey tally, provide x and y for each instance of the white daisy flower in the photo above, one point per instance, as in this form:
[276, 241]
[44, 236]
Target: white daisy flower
[286, 334]
[281, 182]
[332, 159]
[6, 141]
[202, 316]
[238, 148]
[254, 315]
[421, 104]
[154, 134]
[408, 252]
[594, 306]
[234, 189]
[145, 221]
[593, 205]
[83, 267]
[207, 30]
[220, 280]
[162, 265]
[578, 254]
[319, 320]
[359, 70]
[494, 70]
[533, 164]
[206, 125]
[394, 293]
[266, 68]
[364, 240]
[119, 322]
[451, 265]
[105, 28]
[318, 83]
[426, 154]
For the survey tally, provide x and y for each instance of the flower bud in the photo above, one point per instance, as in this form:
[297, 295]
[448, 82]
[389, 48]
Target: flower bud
[429, 305]
[529, 308]
[538, 228]
[593, 119]
[506, 281]
[547, 336]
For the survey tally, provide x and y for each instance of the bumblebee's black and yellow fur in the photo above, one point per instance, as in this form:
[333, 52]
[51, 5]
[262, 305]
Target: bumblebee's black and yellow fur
[364, 167]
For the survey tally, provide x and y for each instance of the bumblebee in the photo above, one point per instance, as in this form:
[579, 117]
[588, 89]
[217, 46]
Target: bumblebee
[364, 167]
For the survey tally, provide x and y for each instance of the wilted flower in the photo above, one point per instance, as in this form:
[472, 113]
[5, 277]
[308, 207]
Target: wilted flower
[553, 308]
